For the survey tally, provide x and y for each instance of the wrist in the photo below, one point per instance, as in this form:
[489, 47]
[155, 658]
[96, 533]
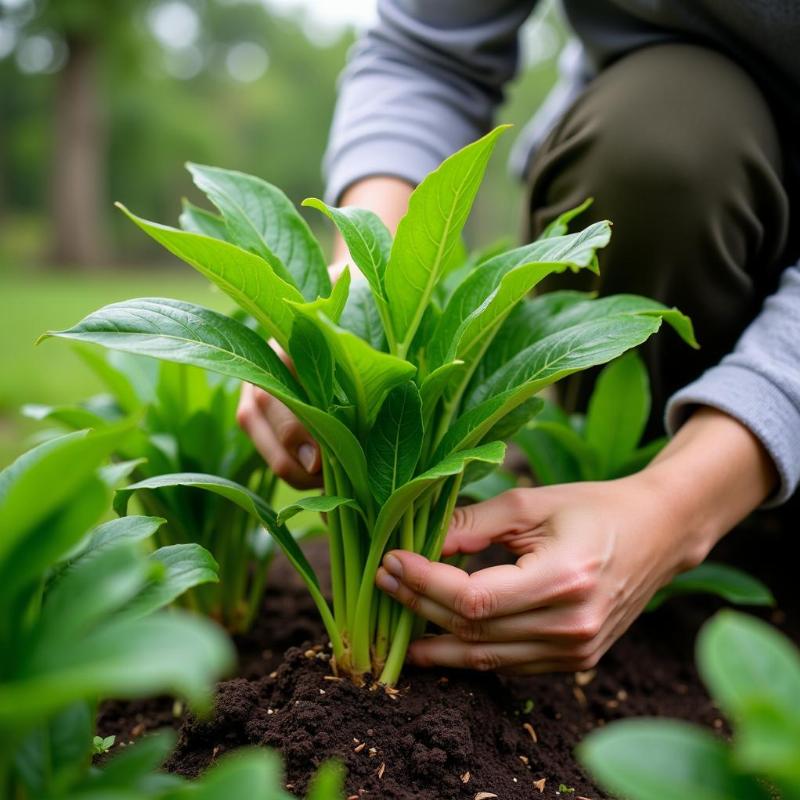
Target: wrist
[709, 477]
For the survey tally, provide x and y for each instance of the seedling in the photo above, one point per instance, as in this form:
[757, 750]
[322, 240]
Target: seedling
[408, 398]
[186, 423]
[102, 744]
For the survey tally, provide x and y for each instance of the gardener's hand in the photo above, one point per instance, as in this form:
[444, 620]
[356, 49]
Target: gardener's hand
[590, 555]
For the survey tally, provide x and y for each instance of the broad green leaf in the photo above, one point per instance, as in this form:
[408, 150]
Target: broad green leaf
[395, 442]
[184, 566]
[320, 504]
[366, 374]
[486, 297]
[649, 759]
[62, 465]
[367, 238]
[117, 382]
[429, 233]
[197, 220]
[436, 384]
[261, 218]
[560, 225]
[621, 304]
[313, 361]
[116, 660]
[723, 580]
[244, 498]
[186, 334]
[523, 327]
[540, 365]
[249, 280]
[404, 496]
[552, 452]
[74, 417]
[753, 673]
[618, 412]
[362, 317]
[133, 528]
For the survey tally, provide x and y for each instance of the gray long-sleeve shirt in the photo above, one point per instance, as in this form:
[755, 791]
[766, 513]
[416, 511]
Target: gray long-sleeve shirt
[427, 78]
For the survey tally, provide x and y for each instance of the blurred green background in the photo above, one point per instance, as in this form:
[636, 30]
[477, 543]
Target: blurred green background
[104, 101]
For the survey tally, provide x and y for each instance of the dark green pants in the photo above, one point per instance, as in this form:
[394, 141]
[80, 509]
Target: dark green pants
[681, 152]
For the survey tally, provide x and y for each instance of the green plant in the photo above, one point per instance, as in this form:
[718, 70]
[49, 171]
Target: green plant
[606, 443]
[753, 673]
[408, 399]
[186, 423]
[81, 612]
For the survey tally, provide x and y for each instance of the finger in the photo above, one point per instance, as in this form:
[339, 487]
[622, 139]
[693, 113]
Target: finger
[450, 651]
[265, 441]
[505, 518]
[569, 624]
[290, 433]
[533, 582]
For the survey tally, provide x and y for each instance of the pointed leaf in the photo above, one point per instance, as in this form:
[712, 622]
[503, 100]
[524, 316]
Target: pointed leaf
[429, 233]
[313, 361]
[261, 218]
[367, 238]
[618, 412]
[560, 225]
[249, 280]
[362, 317]
[395, 441]
[487, 296]
[333, 305]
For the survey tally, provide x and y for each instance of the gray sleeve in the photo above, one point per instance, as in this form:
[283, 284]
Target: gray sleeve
[421, 83]
[759, 383]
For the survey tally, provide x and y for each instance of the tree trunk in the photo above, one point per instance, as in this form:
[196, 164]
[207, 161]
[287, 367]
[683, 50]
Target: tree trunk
[78, 174]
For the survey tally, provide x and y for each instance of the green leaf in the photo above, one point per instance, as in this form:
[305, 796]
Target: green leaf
[126, 529]
[362, 317]
[333, 305]
[116, 380]
[723, 580]
[116, 660]
[244, 498]
[133, 763]
[436, 384]
[261, 218]
[557, 453]
[395, 442]
[328, 783]
[644, 759]
[184, 566]
[560, 225]
[484, 300]
[618, 412]
[366, 374]
[430, 231]
[255, 774]
[249, 280]
[74, 417]
[62, 465]
[618, 304]
[313, 361]
[320, 504]
[753, 673]
[367, 238]
[197, 220]
[186, 334]
[491, 485]
[540, 365]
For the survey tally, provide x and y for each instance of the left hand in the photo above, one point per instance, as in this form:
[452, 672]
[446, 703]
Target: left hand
[590, 556]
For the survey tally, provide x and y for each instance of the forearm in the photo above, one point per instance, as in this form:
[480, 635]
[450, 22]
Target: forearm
[710, 476]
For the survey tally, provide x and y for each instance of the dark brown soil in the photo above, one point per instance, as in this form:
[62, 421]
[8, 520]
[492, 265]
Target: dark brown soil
[443, 725]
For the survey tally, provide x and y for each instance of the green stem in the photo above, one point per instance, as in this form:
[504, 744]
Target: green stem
[336, 551]
[352, 545]
[383, 628]
[399, 648]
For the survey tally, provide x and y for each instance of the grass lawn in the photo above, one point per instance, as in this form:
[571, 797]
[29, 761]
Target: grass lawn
[33, 302]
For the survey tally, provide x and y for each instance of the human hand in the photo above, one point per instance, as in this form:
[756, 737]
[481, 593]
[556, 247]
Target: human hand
[589, 557]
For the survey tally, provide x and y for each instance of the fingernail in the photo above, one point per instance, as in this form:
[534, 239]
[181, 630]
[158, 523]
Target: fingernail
[307, 455]
[386, 582]
[392, 565]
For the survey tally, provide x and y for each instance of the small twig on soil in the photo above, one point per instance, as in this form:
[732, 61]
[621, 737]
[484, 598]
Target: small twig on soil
[540, 784]
[358, 748]
[465, 777]
[579, 695]
[528, 727]
[484, 796]
[381, 769]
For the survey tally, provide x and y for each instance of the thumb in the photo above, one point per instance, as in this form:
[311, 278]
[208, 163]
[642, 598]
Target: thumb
[498, 519]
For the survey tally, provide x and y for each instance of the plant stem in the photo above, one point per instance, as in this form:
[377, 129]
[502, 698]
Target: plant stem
[336, 551]
[352, 546]
[397, 653]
